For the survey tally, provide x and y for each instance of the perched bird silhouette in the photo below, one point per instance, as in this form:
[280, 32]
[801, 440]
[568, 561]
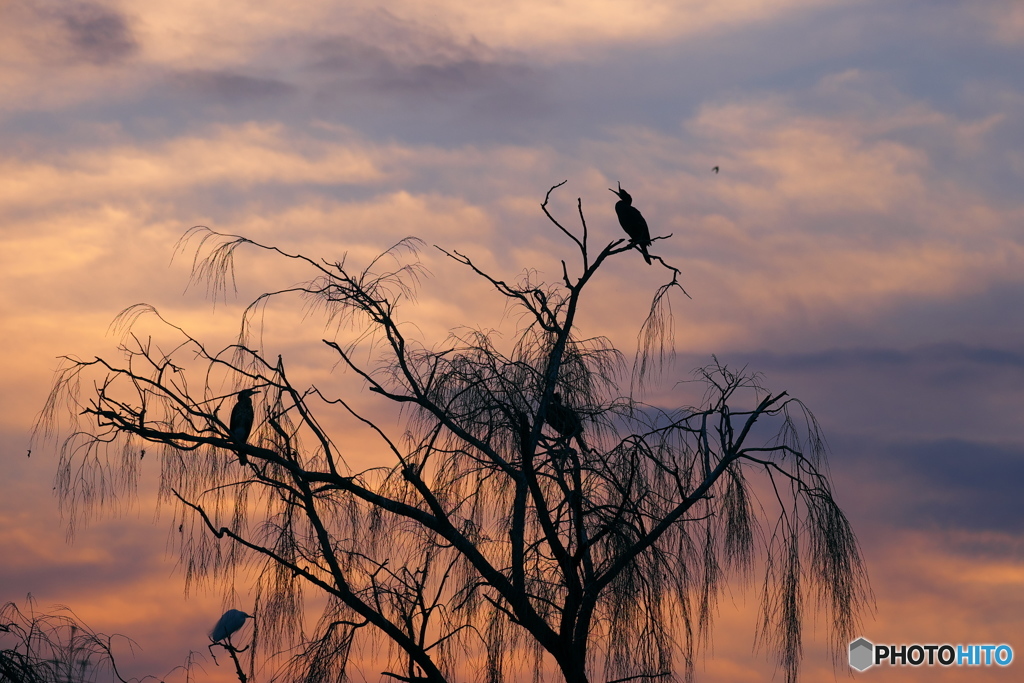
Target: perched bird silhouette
[564, 419]
[242, 416]
[632, 222]
[231, 621]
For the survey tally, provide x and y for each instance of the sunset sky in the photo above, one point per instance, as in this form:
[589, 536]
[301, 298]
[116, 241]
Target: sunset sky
[862, 245]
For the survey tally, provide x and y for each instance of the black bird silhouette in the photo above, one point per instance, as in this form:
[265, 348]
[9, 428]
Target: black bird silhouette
[565, 421]
[632, 222]
[562, 418]
[715, 169]
[242, 416]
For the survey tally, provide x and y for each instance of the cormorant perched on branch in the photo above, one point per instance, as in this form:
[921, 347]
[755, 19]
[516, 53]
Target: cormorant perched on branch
[242, 416]
[562, 418]
[566, 421]
[632, 222]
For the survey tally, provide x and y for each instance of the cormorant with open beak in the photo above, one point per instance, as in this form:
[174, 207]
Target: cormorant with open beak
[632, 222]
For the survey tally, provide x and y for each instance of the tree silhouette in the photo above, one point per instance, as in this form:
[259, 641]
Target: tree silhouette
[488, 541]
[54, 647]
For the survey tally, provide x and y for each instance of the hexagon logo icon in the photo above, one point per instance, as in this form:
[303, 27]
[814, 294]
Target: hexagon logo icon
[861, 652]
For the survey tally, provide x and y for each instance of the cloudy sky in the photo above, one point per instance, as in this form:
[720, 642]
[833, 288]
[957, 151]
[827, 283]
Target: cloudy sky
[862, 246]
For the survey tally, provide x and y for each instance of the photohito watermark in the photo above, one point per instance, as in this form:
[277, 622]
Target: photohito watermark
[864, 654]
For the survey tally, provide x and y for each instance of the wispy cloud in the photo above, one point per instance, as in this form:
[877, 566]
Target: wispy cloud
[67, 33]
[229, 87]
[97, 33]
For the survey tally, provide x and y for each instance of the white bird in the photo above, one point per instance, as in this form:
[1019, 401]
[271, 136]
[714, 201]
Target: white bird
[232, 620]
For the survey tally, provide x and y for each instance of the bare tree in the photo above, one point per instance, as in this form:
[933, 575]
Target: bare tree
[54, 647]
[531, 515]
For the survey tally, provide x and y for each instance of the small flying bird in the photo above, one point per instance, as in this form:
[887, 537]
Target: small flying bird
[231, 621]
[715, 169]
[242, 416]
[632, 222]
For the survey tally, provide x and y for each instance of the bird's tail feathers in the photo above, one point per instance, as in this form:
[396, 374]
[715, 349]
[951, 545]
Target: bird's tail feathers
[643, 250]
